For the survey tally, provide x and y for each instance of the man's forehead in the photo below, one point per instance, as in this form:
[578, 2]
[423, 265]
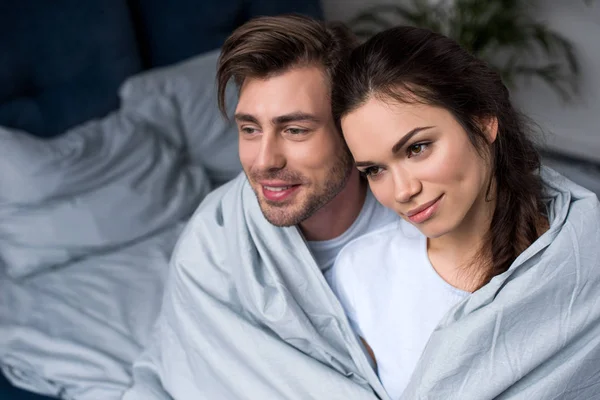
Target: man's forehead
[300, 72]
[299, 90]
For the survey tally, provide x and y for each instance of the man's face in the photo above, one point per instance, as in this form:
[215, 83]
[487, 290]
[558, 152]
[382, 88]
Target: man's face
[290, 150]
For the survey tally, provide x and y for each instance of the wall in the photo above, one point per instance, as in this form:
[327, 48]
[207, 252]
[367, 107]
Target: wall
[574, 128]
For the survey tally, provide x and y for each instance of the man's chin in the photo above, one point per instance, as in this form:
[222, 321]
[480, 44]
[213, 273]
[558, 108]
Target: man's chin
[279, 216]
[281, 224]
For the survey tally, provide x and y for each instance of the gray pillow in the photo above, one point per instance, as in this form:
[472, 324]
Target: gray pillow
[210, 139]
[101, 185]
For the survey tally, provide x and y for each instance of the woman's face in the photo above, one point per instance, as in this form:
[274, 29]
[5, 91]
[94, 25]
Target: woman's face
[420, 163]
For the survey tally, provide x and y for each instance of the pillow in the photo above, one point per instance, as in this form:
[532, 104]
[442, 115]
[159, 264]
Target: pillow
[99, 186]
[210, 139]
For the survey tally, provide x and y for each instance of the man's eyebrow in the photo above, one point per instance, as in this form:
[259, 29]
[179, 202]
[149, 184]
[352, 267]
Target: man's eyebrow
[399, 144]
[241, 117]
[282, 119]
[294, 117]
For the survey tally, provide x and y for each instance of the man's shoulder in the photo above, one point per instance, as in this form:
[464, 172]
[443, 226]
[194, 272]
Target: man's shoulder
[221, 203]
[209, 226]
[226, 193]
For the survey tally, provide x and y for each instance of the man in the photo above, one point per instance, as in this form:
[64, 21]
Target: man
[248, 313]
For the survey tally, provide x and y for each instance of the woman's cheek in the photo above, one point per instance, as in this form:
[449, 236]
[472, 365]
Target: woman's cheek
[383, 190]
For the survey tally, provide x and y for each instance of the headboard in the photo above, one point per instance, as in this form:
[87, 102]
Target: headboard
[62, 62]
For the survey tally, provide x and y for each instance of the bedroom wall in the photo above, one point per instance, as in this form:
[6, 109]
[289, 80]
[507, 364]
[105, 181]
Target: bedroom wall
[574, 128]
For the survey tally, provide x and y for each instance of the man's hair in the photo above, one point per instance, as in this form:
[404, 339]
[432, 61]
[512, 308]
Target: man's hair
[268, 46]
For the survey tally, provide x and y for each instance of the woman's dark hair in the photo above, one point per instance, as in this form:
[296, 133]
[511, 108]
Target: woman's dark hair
[414, 65]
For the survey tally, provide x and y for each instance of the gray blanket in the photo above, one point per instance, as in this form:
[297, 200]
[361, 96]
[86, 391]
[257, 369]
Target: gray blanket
[534, 331]
[248, 315]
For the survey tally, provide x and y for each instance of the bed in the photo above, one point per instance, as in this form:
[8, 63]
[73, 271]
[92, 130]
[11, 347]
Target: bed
[110, 137]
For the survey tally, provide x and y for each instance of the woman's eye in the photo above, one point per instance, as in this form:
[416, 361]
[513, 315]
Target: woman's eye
[416, 149]
[372, 171]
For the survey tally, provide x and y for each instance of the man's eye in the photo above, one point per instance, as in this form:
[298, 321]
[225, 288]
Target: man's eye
[296, 131]
[248, 130]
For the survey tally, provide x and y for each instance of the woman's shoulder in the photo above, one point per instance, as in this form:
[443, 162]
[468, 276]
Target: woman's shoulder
[574, 233]
[582, 226]
[576, 209]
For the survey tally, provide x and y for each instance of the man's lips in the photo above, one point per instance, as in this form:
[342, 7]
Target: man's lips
[276, 184]
[276, 191]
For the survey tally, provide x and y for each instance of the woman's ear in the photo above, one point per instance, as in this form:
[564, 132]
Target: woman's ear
[489, 127]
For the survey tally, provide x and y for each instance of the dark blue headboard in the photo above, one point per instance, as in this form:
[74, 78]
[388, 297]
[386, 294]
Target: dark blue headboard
[170, 31]
[61, 61]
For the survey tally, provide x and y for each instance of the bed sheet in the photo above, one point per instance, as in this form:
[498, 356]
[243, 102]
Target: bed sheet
[74, 331]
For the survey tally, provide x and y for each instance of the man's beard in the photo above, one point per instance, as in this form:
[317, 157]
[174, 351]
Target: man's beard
[292, 213]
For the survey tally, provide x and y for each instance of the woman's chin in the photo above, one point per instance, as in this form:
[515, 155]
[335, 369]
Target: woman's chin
[431, 230]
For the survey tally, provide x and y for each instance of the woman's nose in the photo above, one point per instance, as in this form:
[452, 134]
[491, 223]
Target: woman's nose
[406, 186]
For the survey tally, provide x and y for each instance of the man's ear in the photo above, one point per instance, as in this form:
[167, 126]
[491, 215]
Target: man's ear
[489, 126]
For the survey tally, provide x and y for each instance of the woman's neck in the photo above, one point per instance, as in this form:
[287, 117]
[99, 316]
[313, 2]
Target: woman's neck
[459, 256]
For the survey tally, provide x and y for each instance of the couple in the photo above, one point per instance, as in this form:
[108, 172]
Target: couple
[393, 237]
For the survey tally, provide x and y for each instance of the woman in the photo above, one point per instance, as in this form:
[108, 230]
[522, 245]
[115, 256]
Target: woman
[487, 287]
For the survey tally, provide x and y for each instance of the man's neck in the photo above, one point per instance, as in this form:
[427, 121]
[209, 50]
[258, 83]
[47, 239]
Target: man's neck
[339, 214]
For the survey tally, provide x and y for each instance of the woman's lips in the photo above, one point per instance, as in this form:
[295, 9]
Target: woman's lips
[423, 213]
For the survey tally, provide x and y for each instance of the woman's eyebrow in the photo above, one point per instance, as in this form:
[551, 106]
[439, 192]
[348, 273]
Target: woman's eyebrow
[400, 143]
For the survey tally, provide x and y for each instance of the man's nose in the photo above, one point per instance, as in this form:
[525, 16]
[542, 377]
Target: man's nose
[270, 155]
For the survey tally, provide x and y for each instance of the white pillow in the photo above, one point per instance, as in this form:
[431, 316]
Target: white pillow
[99, 186]
[211, 140]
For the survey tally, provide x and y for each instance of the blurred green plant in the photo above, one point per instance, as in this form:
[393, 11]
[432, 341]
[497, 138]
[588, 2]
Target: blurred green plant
[504, 33]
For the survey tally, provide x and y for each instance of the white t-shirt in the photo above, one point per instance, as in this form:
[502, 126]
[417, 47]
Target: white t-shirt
[372, 216]
[393, 297]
